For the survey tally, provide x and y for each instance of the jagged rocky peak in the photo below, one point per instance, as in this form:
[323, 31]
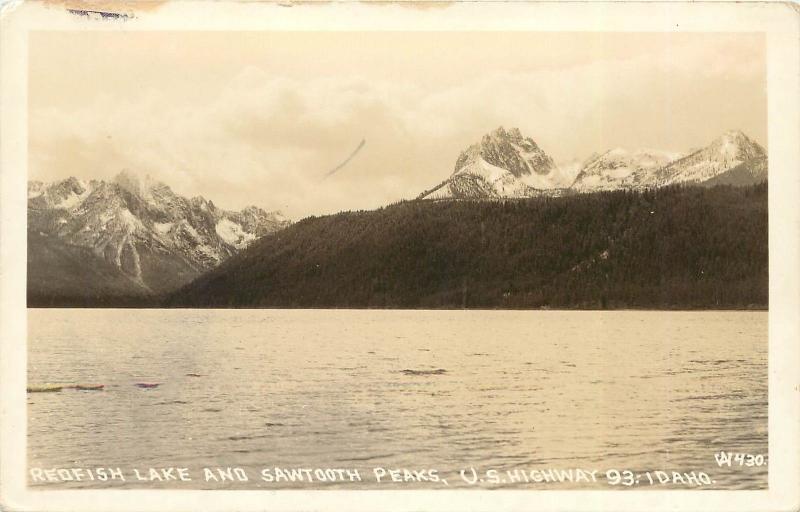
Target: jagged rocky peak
[143, 187]
[254, 214]
[259, 221]
[61, 189]
[160, 232]
[735, 145]
[129, 181]
[203, 204]
[510, 150]
[64, 193]
[69, 185]
[504, 164]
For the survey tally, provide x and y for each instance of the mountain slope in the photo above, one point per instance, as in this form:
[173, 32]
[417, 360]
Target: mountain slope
[666, 248]
[72, 276]
[133, 237]
[621, 169]
[747, 173]
[732, 152]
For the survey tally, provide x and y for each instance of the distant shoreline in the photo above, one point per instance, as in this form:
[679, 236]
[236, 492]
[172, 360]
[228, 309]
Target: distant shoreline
[764, 309]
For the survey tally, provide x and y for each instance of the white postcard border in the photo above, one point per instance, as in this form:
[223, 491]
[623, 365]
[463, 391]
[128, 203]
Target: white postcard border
[780, 22]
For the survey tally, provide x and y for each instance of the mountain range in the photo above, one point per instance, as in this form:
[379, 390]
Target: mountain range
[506, 164]
[133, 241]
[127, 238]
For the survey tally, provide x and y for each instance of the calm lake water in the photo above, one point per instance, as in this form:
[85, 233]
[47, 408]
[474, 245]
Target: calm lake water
[432, 392]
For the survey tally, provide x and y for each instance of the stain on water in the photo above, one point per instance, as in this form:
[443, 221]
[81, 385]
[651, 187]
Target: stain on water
[425, 391]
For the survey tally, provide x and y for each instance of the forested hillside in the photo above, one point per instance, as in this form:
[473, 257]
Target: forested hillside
[61, 275]
[674, 247]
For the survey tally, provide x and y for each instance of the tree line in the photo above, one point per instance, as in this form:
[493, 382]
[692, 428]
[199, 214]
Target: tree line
[678, 247]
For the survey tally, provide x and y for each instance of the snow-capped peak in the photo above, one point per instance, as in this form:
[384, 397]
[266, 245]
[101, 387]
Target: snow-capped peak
[729, 151]
[503, 164]
[130, 217]
[507, 164]
[735, 145]
[508, 150]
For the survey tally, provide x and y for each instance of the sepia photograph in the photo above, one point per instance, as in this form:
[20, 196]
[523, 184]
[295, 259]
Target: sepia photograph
[400, 258]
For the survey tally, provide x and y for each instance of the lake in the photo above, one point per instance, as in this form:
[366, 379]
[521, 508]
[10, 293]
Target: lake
[424, 397]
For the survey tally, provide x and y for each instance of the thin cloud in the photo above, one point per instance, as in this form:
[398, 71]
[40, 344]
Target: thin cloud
[259, 137]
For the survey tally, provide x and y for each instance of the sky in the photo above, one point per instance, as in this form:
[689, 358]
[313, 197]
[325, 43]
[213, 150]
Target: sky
[263, 118]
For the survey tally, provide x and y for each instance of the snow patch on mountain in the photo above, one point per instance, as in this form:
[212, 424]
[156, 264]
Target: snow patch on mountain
[233, 234]
[620, 168]
[163, 228]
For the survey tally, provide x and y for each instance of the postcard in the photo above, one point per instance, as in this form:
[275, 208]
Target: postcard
[400, 256]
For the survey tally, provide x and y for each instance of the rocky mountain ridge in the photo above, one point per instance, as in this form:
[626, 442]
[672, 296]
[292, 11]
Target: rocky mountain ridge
[505, 164]
[156, 239]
